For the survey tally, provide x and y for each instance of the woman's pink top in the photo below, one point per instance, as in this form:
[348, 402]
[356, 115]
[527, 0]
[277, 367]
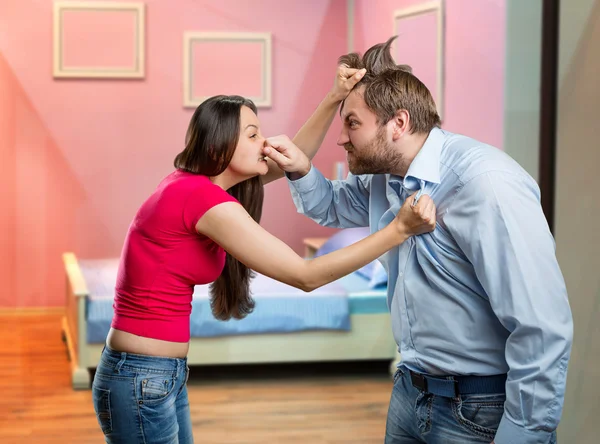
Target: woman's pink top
[164, 257]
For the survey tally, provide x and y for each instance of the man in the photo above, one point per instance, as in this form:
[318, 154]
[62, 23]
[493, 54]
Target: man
[479, 307]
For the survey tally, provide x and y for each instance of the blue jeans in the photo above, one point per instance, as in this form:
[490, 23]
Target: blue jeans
[418, 417]
[142, 399]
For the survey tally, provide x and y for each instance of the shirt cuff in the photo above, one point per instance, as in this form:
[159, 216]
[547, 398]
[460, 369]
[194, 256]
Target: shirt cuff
[305, 183]
[511, 433]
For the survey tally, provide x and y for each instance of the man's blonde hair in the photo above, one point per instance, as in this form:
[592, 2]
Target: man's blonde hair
[389, 88]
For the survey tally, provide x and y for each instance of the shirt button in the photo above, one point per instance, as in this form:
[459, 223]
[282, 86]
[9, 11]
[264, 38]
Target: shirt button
[401, 274]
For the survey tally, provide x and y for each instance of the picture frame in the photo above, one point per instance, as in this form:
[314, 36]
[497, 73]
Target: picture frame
[209, 56]
[94, 53]
[423, 23]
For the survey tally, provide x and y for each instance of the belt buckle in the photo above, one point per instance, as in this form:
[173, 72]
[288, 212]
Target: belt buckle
[418, 381]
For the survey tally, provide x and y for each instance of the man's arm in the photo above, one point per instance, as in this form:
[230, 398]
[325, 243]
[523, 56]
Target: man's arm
[333, 203]
[311, 135]
[497, 220]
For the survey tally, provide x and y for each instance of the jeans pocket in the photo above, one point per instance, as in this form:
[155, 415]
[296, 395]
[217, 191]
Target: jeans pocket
[480, 414]
[156, 388]
[398, 374]
[423, 410]
[101, 400]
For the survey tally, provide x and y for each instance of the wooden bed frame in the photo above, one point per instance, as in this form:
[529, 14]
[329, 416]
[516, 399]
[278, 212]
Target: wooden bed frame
[370, 338]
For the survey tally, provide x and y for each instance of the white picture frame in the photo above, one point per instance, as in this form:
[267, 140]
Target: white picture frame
[436, 7]
[137, 70]
[265, 39]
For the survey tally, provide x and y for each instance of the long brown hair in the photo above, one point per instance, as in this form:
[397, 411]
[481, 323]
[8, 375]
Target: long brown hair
[211, 140]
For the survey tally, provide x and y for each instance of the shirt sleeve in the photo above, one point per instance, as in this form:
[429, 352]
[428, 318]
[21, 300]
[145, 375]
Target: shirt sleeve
[497, 221]
[200, 201]
[332, 203]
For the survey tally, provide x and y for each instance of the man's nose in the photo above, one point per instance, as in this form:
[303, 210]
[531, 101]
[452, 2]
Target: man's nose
[343, 138]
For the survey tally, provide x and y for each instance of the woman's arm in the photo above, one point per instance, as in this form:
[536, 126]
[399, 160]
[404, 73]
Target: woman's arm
[311, 135]
[230, 226]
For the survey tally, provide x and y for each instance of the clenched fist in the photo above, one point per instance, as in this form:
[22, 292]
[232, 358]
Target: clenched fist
[345, 79]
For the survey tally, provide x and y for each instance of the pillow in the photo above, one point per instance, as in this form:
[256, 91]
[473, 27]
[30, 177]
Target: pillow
[344, 238]
[379, 276]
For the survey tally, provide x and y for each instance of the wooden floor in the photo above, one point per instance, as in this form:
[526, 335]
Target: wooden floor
[285, 404]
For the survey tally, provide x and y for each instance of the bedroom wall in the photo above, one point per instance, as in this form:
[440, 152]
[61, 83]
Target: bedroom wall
[7, 179]
[577, 210]
[474, 59]
[79, 156]
[40, 199]
[522, 83]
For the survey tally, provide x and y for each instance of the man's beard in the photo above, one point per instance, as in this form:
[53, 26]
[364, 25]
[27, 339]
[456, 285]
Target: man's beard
[377, 157]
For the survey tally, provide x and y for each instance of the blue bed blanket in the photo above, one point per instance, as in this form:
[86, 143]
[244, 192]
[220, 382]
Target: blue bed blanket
[279, 307]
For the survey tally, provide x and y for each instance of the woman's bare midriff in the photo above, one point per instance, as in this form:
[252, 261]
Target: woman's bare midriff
[122, 341]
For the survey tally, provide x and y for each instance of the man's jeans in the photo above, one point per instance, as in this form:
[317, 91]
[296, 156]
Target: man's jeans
[142, 399]
[417, 417]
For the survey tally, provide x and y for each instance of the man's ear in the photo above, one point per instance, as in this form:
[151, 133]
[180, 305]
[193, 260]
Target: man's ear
[400, 123]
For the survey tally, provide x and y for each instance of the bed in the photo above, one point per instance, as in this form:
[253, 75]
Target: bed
[343, 321]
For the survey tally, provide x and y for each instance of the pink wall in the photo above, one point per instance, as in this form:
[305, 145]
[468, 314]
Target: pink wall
[40, 200]
[81, 155]
[7, 181]
[474, 59]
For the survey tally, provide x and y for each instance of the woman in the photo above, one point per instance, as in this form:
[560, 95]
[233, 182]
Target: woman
[201, 226]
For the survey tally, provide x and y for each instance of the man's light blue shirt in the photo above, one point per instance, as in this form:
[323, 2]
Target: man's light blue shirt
[481, 295]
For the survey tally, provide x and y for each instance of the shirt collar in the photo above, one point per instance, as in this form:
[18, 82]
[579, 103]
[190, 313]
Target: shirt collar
[426, 164]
